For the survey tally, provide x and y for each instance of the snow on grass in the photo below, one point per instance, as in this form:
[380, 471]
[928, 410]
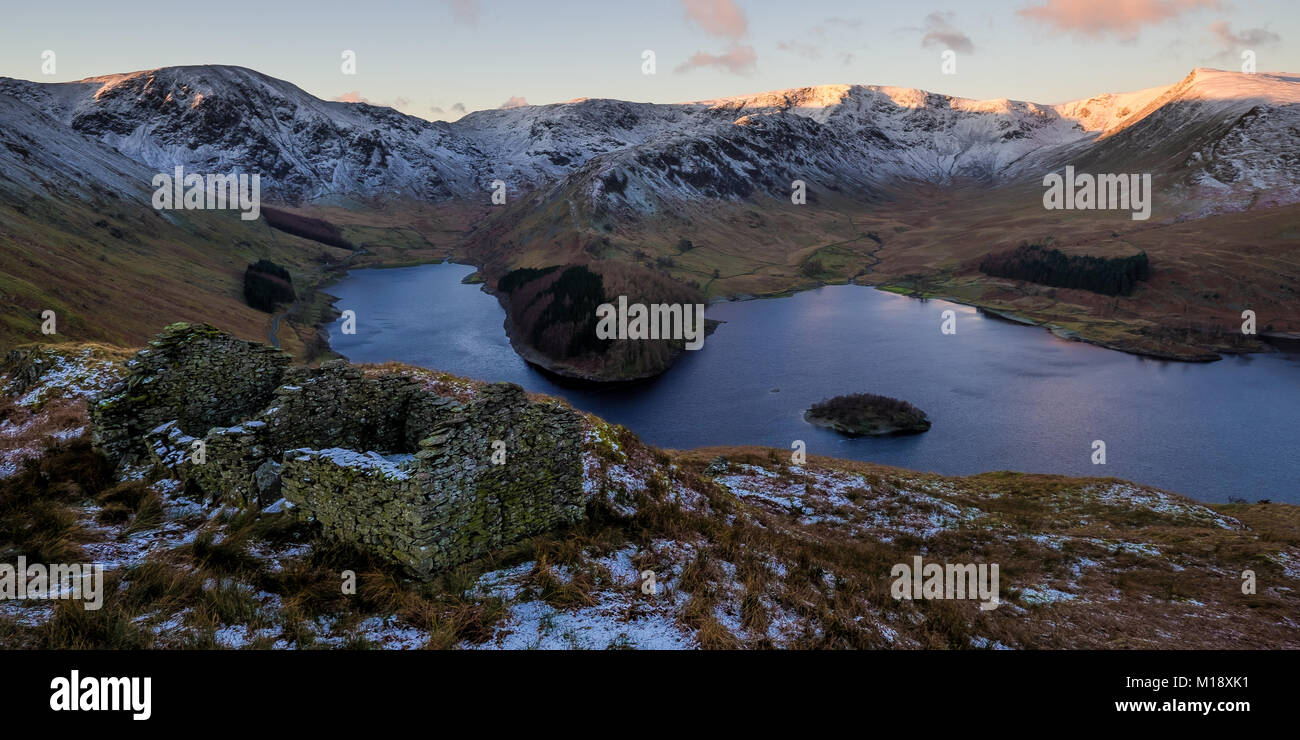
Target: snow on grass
[757, 485]
[622, 616]
[77, 376]
[784, 626]
[116, 549]
[275, 556]
[1037, 596]
[688, 499]
[1052, 541]
[846, 499]
[239, 636]
[11, 461]
[1288, 560]
[599, 436]
[9, 429]
[984, 643]
[535, 625]
[1126, 496]
[389, 633]
[1119, 547]
[26, 612]
[1082, 564]
[615, 483]
[620, 566]
[504, 584]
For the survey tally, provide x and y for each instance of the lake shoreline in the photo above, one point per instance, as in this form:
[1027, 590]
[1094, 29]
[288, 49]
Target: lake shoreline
[1267, 344]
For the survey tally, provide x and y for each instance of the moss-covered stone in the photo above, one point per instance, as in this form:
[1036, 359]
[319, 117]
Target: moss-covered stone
[192, 374]
[379, 462]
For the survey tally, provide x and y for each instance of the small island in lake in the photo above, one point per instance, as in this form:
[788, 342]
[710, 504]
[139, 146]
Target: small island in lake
[866, 414]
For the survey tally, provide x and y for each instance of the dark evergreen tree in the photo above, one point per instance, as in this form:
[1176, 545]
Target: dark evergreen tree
[267, 284]
[1037, 264]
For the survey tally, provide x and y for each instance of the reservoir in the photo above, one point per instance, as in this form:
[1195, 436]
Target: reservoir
[1001, 396]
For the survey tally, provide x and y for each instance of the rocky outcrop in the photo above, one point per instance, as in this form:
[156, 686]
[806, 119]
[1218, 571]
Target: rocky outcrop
[377, 461]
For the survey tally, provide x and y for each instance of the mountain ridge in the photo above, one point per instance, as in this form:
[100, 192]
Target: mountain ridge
[227, 117]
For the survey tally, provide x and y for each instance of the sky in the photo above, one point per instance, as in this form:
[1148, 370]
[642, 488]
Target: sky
[438, 59]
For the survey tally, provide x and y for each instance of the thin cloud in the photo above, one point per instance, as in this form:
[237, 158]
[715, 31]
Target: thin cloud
[717, 17]
[1244, 39]
[352, 96]
[836, 21]
[464, 11]
[818, 40]
[740, 60]
[515, 101]
[1123, 19]
[803, 49]
[940, 32]
[458, 108]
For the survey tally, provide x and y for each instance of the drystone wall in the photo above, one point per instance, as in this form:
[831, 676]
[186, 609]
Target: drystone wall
[191, 374]
[377, 461]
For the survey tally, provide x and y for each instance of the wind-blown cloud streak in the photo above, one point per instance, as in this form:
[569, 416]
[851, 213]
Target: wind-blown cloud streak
[722, 18]
[1123, 19]
[725, 19]
[1243, 39]
[940, 32]
[464, 11]
[739, 60]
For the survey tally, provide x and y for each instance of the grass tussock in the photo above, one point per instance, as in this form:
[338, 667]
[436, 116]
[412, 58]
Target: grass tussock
[40, 505]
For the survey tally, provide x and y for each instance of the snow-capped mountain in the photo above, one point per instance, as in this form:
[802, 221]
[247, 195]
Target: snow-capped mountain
[230, 119]
[50, 159]
[1217, 133]
[1224, 139]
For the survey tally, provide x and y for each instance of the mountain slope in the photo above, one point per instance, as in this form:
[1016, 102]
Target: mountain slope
[79, 236]
[1216, 141]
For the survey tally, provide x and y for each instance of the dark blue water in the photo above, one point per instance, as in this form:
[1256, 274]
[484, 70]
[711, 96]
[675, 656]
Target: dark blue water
[1001, 396]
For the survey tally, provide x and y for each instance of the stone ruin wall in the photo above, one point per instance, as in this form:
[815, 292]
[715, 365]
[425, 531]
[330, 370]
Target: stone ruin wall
[378, 462]
[193, 375]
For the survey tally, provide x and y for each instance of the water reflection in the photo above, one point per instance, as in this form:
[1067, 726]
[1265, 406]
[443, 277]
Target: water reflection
[1002, 396]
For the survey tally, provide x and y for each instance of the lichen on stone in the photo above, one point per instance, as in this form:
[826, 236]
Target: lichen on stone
[373, 460]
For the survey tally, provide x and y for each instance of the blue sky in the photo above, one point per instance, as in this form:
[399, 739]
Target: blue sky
[425, 57]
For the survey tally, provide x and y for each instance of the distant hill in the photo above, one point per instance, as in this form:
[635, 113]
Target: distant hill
[904, 188]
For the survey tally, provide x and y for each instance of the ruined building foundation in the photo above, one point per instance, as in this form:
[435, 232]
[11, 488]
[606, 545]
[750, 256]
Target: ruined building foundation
[375, 459]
